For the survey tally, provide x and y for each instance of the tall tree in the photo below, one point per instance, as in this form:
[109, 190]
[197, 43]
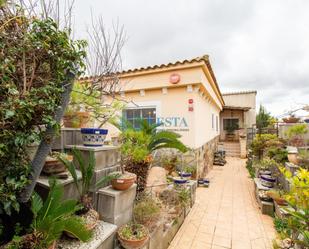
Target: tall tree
[263, 118]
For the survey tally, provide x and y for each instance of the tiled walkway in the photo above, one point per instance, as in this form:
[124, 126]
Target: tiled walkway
[226, 214]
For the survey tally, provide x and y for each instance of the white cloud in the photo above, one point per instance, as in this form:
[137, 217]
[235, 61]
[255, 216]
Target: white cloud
[256, 44]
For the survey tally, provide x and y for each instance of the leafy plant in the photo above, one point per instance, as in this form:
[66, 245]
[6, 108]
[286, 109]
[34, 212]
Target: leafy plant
[262, 142]
[250, 168]
[137, 146]
[51, 219]
[184, 196]
[85, 98]
[133, 231]
[298, 200]
[263, 118]
[282, 227]
[295, 134]
[146, 211]
[87, 168]
[33, 67]
[280, 155]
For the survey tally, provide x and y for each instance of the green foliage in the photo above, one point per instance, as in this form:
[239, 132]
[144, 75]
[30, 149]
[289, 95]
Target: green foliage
[51, 219]
[133, 232]
[296, 132]
[137, 145]
[280, 155]
[134, 145]
[262, 142]
[33, 68]
[184, 196]
[87, 168]
[263, 118]
[298, 200]
[85, 98]
[146, 211]
[250, 168]
[282, 227]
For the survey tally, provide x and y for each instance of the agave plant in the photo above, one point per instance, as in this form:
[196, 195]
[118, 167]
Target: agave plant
[87, 168]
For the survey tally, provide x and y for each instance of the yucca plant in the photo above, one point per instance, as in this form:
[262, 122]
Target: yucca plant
[87, 168]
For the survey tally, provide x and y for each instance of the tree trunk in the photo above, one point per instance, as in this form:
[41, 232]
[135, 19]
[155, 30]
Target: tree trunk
[46, 143]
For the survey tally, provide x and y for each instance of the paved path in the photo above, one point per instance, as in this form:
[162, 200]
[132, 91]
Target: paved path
[226, 214]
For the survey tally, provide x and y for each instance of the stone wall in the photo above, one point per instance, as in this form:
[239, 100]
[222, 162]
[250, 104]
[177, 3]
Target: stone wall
[205, 156]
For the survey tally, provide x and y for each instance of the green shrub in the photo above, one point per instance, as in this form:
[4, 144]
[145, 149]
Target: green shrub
[33, 69]
[146, 211]
[280, 155]
[250, 168]
[262, 142]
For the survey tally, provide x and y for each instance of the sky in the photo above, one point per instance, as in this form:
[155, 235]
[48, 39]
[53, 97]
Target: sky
[258, 45]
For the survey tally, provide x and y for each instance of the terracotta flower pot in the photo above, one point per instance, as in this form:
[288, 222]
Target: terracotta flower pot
[76, 120]
[53, 245]
[124, 182]
[133, 243]
[293, 158]
[53, 166]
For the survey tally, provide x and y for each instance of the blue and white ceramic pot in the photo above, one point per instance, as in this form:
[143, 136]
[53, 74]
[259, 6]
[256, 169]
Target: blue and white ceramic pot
[268, 181]
[185, 175]
[93, 136]
[179, 180]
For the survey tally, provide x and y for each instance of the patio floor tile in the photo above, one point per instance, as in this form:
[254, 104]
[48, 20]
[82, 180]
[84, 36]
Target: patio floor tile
[226, 214]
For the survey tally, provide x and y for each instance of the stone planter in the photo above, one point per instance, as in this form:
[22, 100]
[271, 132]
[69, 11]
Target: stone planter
[115, 206]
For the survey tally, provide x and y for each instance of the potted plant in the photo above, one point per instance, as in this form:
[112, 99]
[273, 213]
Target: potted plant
[87, 111]
[146, 211]
[137, 148]
[87, 212]
[53, 165]
[133, 235]
[50, 220]
[291, 119]
[230, 131]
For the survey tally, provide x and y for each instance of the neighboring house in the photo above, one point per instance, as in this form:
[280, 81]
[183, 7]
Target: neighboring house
[238, 113]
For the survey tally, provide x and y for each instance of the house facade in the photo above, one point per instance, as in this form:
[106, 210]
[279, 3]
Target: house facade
[183, 97]
[238, 114]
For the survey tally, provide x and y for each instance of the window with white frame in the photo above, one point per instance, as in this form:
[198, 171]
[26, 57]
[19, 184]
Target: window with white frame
[134, 115]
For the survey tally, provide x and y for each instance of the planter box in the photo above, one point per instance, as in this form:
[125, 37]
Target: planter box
[70, 191]
[103, 238]
[106, 155]
[267, 207]
[115, 206]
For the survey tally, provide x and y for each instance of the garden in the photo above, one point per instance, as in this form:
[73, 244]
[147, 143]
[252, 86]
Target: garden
[61, 185]
[279, 168]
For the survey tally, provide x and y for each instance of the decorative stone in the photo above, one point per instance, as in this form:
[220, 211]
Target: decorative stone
[103, 238]
[70, 191]
[156, 180]
[106, 155]
[115, 206]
